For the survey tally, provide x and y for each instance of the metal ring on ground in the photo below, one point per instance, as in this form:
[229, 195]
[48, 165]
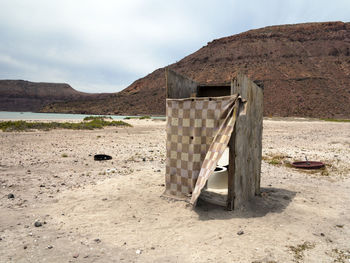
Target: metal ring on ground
[308, 165]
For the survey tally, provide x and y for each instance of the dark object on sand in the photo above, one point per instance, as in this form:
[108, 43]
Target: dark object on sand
[38, 224]
[102, 157]
[308, 165]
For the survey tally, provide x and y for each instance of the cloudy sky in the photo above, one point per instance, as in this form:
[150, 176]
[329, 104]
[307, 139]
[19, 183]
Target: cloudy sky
[103, 46]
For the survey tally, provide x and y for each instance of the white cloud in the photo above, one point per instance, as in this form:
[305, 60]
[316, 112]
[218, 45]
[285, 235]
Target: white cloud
[98, 45]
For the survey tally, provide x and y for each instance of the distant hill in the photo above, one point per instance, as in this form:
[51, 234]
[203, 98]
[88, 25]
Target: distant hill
[304, 68]
[21, 95]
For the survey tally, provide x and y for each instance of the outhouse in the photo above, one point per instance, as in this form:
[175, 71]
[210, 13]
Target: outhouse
[206, 124]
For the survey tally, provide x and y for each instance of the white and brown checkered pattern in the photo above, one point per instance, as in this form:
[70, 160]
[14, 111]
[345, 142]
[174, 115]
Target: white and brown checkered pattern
[198, 131]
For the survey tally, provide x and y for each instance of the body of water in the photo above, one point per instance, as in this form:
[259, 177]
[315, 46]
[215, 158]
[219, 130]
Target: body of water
[10, 115]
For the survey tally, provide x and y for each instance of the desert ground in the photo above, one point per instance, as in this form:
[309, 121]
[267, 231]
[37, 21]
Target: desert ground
[59, 205]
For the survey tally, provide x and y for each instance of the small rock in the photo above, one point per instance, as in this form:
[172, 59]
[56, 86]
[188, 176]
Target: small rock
[286, 197]
[75, 255]
[340, 226]
[42, 185]
[138, 251]
[104, 199]
[10, 196]
[241, 232]
[144, 159]
[97, 240]
[153, 248]
[25, 247]
[49, 247]
[322, 235]
[38, 224]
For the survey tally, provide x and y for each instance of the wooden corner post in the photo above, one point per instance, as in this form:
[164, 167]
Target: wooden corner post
[245, 144]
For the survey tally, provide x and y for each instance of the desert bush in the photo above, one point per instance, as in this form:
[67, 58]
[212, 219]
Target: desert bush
[8, 126]
[90, 118]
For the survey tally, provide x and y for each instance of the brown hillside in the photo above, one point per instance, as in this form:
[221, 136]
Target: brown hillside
[304, 68]
[21, 95]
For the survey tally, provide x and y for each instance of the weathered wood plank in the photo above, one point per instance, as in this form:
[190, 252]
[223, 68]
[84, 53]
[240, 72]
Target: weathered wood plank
[248, 141]
[178, 86]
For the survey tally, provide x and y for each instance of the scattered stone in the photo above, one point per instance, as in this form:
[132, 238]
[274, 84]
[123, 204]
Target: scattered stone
[340, 226]
[153, 248]
[38, 224]
[241, 232]
[138, 251]
[322, 235]
[144, 159]
[42, 185]
[264, 194]
[11, 196]
[75, 255]
[104, 199]
[97, 240]
[49, 247]
[25, 247]
[286, 197]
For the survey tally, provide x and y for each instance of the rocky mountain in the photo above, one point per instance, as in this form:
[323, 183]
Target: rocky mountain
[21, 95]
[304, 69]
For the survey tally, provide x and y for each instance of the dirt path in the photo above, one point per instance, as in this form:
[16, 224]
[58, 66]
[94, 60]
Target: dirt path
[112, 211]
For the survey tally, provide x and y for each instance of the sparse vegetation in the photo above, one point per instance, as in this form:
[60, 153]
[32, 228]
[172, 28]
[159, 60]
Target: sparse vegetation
[90, 118]
[8, 126]
[135, 117]
[298, 250]
[340, 255]
[336, 120]
[277, 159]
[145, 117]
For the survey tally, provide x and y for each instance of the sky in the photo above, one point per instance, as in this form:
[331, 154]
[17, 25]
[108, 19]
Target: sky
[103, 46]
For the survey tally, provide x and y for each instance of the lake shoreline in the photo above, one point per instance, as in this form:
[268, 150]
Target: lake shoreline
[39, 116]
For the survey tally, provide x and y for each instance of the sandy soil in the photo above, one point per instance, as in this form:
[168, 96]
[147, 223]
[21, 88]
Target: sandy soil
[112, 211]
